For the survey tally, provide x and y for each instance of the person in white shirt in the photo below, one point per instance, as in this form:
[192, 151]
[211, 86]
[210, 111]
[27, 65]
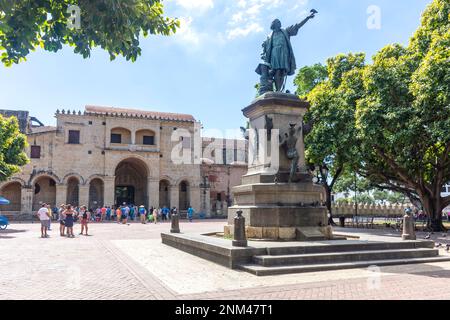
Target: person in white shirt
[44, 216]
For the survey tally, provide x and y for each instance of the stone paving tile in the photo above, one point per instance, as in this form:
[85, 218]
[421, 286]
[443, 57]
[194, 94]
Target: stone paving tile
[129, 262]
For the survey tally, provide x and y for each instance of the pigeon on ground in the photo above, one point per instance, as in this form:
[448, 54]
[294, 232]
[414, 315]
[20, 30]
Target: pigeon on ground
[444, 235]
[447, 247]
[438, 245]
[428, 236]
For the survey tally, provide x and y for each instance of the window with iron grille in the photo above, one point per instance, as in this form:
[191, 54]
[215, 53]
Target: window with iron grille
[116, 138]
[35, 152]
[149, 140]
[74, 136]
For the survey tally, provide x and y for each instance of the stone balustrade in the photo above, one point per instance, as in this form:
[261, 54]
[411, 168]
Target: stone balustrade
[364, 209]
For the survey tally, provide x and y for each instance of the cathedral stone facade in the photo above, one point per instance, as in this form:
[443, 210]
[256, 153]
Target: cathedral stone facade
[109, 156]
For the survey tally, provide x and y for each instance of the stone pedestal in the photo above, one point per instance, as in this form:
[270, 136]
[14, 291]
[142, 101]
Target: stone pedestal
[272, 207]
[408, 228]
[175, 224]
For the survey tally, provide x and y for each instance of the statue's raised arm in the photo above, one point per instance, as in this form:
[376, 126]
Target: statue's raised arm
[278, 59]
[293, 30]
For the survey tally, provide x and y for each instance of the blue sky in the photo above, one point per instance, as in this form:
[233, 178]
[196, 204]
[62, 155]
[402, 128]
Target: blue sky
[207, 69]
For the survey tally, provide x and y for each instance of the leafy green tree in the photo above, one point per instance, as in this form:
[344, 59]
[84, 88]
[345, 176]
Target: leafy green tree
[12, 145]
[380, 195]
[331, 144]
[403, 120]
[308, 77]
[113, 25]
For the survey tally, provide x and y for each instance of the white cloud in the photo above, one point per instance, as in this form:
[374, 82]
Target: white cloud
[186, 32]
[245, 31]
[248, 16]
[201, 5]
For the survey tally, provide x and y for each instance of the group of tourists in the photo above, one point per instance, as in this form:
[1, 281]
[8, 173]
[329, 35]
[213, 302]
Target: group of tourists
[67, 215]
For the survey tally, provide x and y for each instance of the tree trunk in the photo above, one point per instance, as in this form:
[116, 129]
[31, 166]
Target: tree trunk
[434, 212]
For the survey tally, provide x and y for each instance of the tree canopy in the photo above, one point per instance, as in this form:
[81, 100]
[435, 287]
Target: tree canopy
[308, 77]
[403, 120]
[390, 119]
[113, 25]
[12, 145]
[331, 144]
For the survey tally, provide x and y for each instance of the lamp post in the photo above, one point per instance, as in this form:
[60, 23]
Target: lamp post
[204, 186]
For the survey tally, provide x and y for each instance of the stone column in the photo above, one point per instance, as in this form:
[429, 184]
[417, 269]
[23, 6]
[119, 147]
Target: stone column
[205, 199]
[133, 137]
[61, 194]
[153, 193]
[194, 200]
[83, 196]
[26, 200]
[109, 186]
[175, 197]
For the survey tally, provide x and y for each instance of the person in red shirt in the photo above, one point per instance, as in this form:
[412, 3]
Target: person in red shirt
[103, 210]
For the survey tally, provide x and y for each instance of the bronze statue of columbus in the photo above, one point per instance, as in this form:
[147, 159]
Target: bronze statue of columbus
[278, 60]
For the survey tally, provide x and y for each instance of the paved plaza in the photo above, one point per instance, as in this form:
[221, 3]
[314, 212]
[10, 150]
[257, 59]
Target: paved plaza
[128, 262]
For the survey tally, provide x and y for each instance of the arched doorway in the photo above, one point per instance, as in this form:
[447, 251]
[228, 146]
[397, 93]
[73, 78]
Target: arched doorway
[184, 195]
[44, 190]
[96, 192]
[13, 192]
[164, 198]
[73, 191]
[131, 182]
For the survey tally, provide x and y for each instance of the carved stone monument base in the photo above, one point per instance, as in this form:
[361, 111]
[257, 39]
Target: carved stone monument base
[273, 208]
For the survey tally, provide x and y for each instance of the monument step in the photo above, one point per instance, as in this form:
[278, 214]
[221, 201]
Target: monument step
[276, 270]
[349, 245]
[340, 257]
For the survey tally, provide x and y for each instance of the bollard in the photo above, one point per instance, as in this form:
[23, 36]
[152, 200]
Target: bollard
[175, 226]
[239, 238]
[408, 226]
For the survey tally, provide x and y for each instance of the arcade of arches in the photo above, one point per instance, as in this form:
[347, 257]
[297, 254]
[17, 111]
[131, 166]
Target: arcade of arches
[131, 184]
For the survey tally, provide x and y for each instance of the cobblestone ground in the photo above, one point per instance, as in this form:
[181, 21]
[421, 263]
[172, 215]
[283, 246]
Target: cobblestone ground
[130, 262]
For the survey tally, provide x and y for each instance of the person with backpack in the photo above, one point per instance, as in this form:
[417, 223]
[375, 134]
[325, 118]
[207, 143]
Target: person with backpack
[85, 216]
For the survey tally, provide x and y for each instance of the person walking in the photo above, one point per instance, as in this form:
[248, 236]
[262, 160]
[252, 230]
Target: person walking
[49, 208]
[190, 213]
[108, 213]
[155, 215]
[142, 214]
[62, 220]
[85, 216]
[103, 213]
[131, 208]
[44, 217]
[118, 214]
[70, 216]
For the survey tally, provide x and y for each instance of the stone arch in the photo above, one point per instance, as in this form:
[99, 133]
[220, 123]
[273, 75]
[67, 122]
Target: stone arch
[41, 174]
[131, 181]
[125, 135]
[172, 182]
[184, 194]
[95, 176]
[73, 191]
[12, 180]
[44, 190]
[75, 175]
[12, 190]
[145, 137]
[96, 192]
[164, 193]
